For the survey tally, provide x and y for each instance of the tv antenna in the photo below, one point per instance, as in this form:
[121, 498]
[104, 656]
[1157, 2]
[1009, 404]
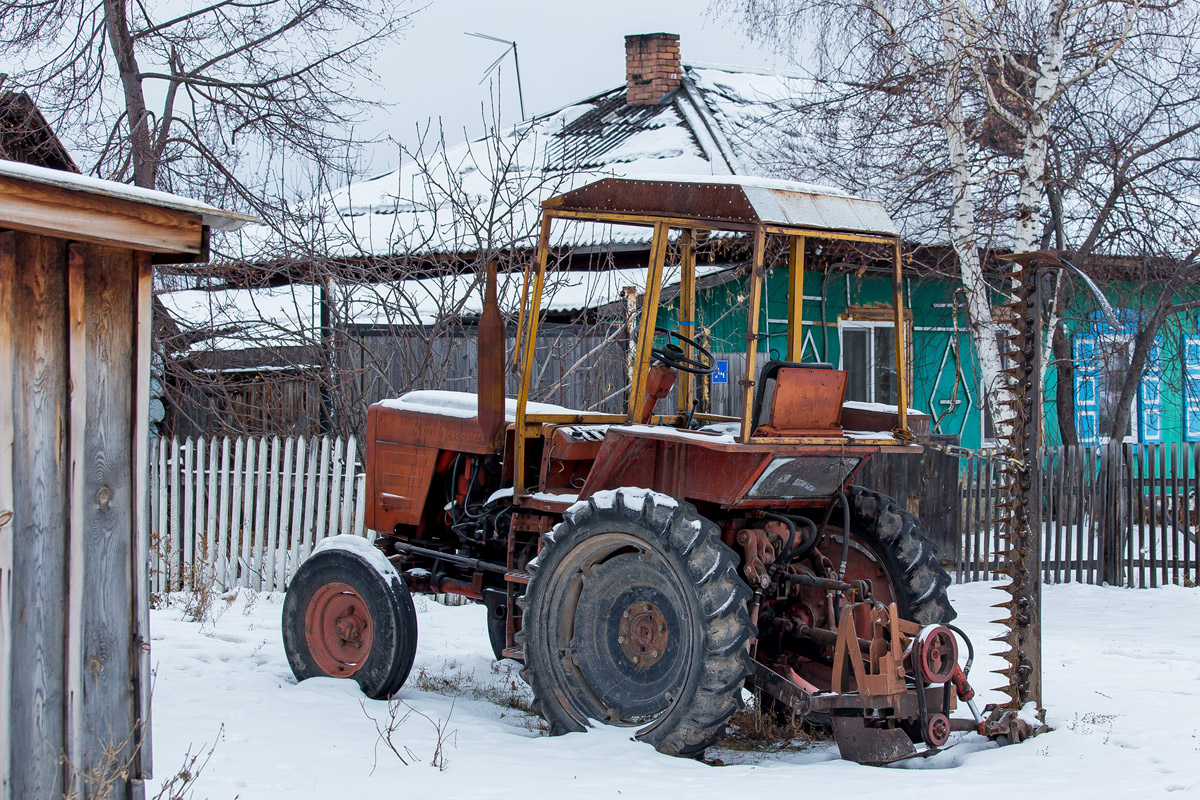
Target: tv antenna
[512, 47]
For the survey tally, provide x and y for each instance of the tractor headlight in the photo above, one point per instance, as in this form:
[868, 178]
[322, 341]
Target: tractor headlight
[803, 476]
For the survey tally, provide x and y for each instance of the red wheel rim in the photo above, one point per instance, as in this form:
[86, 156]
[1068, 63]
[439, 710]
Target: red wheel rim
[339, 629]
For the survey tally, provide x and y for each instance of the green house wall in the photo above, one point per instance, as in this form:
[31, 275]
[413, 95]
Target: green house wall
[945, 381]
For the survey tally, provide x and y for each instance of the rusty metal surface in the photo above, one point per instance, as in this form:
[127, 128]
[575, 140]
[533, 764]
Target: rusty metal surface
[405, 426]
[807, 402]
[696, 467]
[1019, 514]
[399, 476]
[659, 383]
[782, 689]
[871, 419]
[729, 202]
[490, 332]
[881, 670]
[864, 744]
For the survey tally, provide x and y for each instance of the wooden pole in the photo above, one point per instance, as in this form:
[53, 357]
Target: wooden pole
[76, 438]
[7, 278]
[901, 339]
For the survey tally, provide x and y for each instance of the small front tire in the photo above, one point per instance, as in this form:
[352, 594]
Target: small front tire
[348, 614]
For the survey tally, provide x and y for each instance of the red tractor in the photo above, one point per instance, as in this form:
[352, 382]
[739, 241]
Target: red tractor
[647, 567]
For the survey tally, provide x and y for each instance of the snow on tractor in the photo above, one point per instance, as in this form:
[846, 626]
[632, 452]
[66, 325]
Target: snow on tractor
[648, 567]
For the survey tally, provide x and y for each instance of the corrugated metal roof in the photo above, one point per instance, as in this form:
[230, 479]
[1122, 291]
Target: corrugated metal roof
[729, 200]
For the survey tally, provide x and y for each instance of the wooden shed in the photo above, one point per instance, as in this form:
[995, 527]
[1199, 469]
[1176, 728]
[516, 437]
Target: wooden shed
[76, 263]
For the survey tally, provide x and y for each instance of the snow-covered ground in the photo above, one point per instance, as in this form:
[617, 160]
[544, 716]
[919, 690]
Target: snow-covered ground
[1122, 685]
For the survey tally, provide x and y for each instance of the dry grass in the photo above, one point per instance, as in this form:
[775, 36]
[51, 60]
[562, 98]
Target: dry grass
[760, 728]
[109, 771]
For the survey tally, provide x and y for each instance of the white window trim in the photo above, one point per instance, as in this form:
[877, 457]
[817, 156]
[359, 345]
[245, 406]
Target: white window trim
[862, 324]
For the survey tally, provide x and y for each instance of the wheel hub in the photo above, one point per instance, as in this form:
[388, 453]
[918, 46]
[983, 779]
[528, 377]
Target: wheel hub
[338, 629]
[349, 627]
[642, 634]
[628, 644]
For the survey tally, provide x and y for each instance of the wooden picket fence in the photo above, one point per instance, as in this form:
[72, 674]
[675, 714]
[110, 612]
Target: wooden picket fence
[1123, 514]
[246, 511]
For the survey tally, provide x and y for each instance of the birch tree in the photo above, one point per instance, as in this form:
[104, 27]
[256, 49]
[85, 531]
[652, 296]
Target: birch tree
[951, 106]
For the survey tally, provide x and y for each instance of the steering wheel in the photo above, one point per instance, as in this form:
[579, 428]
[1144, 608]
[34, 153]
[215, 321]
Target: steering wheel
[673, 356]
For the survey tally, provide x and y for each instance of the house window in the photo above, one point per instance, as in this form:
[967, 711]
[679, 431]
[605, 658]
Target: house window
[1102, 362]
[1114, 354]
[869, 358]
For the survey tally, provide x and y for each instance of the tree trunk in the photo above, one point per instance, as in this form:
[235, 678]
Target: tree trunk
[1033, 162]
[1137, 362]
[993, 384]
[1064, 395]
[116, 24]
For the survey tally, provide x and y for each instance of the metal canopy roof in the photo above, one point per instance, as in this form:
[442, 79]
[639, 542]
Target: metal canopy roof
[730, 202]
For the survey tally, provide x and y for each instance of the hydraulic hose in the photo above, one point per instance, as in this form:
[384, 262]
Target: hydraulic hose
[809, 543]
[970, 648]
[791, 542]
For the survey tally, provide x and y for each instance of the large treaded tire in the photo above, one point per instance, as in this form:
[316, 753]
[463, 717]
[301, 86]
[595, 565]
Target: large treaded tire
[345, 562]
[919, 582]
[711, 663]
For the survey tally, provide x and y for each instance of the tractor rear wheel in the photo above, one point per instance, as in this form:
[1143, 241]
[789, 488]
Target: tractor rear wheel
[348, 614]
[909, 557]
[635, 615]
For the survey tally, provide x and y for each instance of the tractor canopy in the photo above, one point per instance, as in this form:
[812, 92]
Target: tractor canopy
[783, 401]
[724, 202]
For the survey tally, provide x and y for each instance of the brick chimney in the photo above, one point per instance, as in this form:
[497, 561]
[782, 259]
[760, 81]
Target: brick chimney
[651, 67]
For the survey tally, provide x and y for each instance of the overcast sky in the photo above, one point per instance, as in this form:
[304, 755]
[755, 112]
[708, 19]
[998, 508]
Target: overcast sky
[568, 51]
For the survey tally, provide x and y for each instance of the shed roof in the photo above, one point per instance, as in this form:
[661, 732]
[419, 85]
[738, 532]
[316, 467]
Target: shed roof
[80, 207]
[729, 202]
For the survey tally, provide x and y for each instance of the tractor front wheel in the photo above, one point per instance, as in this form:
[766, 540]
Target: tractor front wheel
[348, 614]
[635, 615]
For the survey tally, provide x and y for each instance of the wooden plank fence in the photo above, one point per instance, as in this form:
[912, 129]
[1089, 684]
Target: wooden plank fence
[1121, 514]
[246, 511]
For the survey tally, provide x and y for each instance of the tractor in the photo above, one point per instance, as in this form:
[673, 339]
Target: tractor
[647, 568]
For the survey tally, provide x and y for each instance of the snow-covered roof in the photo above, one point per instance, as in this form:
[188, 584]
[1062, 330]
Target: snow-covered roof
[213, 217]
[486, 193]
[289, 316]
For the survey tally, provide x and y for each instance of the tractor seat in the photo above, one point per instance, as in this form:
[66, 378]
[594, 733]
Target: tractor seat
[805, 399]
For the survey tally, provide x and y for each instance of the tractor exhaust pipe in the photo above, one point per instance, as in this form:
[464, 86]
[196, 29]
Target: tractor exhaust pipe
[490, 357]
